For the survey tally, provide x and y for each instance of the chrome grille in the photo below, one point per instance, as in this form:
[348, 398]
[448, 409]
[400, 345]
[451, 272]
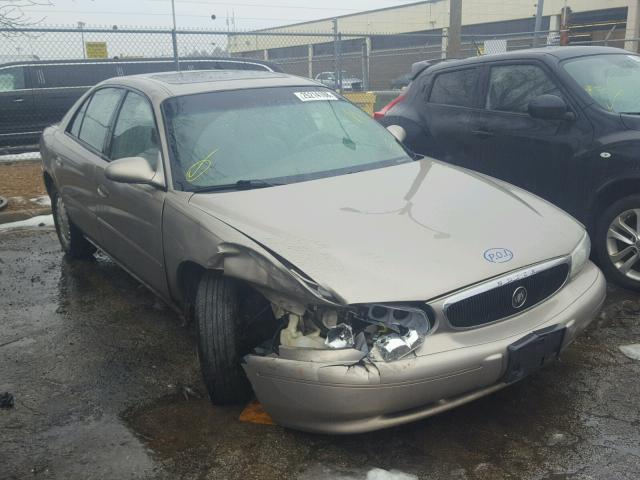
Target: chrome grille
[497, 299]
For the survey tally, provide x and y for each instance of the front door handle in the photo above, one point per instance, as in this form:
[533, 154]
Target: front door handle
[102, 191]
[482, 133]
[18, 100]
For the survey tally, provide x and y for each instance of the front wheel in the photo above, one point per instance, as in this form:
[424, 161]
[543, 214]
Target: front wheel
[219, 339]
[617, 242]
[72, 241]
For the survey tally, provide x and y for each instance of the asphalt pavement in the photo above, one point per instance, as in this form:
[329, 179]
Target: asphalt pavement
[106, 386]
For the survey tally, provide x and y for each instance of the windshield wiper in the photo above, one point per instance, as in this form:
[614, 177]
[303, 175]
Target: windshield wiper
[239, 185]
[629, 113]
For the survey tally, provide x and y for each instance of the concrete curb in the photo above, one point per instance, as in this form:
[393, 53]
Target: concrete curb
[18, 215]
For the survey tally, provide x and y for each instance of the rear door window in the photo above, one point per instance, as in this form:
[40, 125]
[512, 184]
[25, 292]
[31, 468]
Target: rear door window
[134, 134]
[98, 117]
[11, 79]
[512, 87]
[455, 88]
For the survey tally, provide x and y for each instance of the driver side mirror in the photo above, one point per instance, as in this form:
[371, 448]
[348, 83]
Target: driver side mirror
[133, 170]
[549, 107]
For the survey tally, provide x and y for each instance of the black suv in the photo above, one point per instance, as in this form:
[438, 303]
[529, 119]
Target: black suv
[562, 122]
[36, 94]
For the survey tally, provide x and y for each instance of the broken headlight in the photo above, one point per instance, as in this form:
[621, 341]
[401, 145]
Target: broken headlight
[580, 255]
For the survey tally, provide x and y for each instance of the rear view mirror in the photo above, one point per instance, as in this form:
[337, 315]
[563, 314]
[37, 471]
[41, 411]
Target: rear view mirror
[133, 170]
[549, 107]
[398, 132]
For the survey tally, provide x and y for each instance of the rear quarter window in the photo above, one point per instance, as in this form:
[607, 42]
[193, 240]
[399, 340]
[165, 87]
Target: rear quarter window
[455, 88]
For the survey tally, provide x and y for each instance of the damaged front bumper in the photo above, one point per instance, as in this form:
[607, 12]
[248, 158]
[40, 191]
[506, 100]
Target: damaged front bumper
[338, 391]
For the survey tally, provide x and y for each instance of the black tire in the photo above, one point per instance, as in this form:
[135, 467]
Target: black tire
[72, 241]
[603, 247]
[219, 343]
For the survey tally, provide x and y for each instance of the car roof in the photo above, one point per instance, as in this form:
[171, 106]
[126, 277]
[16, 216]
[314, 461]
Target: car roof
[559, 53]
[98, 61]
[163, 85]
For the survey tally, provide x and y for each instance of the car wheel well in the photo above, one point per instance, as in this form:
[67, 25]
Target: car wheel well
[610, 194]
[189, 274]
[48, 183]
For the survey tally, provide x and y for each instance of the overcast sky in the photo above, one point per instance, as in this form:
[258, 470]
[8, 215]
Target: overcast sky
[249, 14]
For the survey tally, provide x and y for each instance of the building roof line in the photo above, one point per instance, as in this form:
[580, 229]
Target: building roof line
[396, 7]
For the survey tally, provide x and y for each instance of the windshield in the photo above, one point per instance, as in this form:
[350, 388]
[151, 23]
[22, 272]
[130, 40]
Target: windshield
[276, 135]
[611, 80]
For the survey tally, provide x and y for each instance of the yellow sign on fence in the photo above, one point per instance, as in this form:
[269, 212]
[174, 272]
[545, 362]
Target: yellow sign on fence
[96, 49]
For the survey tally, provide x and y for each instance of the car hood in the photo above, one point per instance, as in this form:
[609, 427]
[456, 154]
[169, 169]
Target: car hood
[403, 233]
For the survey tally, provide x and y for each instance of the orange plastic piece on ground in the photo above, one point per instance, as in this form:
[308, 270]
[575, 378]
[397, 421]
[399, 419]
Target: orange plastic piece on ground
[254, 413]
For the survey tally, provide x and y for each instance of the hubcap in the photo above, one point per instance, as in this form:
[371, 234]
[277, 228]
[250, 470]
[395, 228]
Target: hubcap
[64, 227]
[623, 243]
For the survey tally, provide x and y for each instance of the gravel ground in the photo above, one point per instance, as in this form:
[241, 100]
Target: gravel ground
[99, 367]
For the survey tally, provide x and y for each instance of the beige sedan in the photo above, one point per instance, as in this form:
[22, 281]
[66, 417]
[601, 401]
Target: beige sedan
[351, 283]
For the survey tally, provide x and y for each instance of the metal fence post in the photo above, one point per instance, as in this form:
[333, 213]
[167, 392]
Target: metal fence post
[336, 61]
[174, 41]
[339, 70]
[365, 64]
[444, 46]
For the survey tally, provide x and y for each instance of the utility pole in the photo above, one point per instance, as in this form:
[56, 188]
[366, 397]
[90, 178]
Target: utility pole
[538, 25]
[174, 36]
[454, 32]
[565, 20]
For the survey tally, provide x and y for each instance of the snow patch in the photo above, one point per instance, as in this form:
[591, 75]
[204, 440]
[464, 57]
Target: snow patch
[39, 221]
[42, 200]
[631, 351]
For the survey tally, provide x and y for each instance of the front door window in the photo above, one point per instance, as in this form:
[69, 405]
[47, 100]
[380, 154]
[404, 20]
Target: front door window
[11, 79]
[135, 134]
[512, 87]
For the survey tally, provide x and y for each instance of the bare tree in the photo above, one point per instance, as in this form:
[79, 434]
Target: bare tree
[13, 14]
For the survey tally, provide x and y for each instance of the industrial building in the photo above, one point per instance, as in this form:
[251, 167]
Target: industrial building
[381, 44]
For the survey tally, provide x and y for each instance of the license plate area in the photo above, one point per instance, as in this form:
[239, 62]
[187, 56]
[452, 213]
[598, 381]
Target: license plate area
[532, 352]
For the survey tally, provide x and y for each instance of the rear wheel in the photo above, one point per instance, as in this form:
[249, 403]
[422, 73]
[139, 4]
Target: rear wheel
[217, 313]
[71, 239]
[617, 242]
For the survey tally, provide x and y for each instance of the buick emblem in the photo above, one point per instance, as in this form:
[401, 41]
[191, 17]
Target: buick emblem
[519, 297]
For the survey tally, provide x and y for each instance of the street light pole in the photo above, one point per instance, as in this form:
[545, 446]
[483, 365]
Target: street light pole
[174, 36]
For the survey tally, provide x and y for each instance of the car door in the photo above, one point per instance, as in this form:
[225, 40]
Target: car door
[130, 216]
[447, 107]
[539, 155]
[16, 105]
[78, 155]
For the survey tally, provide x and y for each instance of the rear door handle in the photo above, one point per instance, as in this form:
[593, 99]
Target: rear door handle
[18, 100]
[482, 133]
[102, 191]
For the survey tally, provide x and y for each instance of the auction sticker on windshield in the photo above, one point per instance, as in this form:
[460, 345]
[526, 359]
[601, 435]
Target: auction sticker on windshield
[315, 96]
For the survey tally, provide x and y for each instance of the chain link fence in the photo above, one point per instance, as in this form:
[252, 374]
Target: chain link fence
[38, 64]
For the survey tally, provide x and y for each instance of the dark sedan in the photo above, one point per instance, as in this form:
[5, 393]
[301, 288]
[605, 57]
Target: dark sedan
[562, 122]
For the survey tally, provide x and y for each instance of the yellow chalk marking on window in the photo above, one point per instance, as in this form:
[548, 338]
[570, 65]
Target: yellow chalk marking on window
[200, 167]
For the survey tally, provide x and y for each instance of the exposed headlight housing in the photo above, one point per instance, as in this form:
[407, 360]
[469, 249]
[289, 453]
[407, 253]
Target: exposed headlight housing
[580, 255]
